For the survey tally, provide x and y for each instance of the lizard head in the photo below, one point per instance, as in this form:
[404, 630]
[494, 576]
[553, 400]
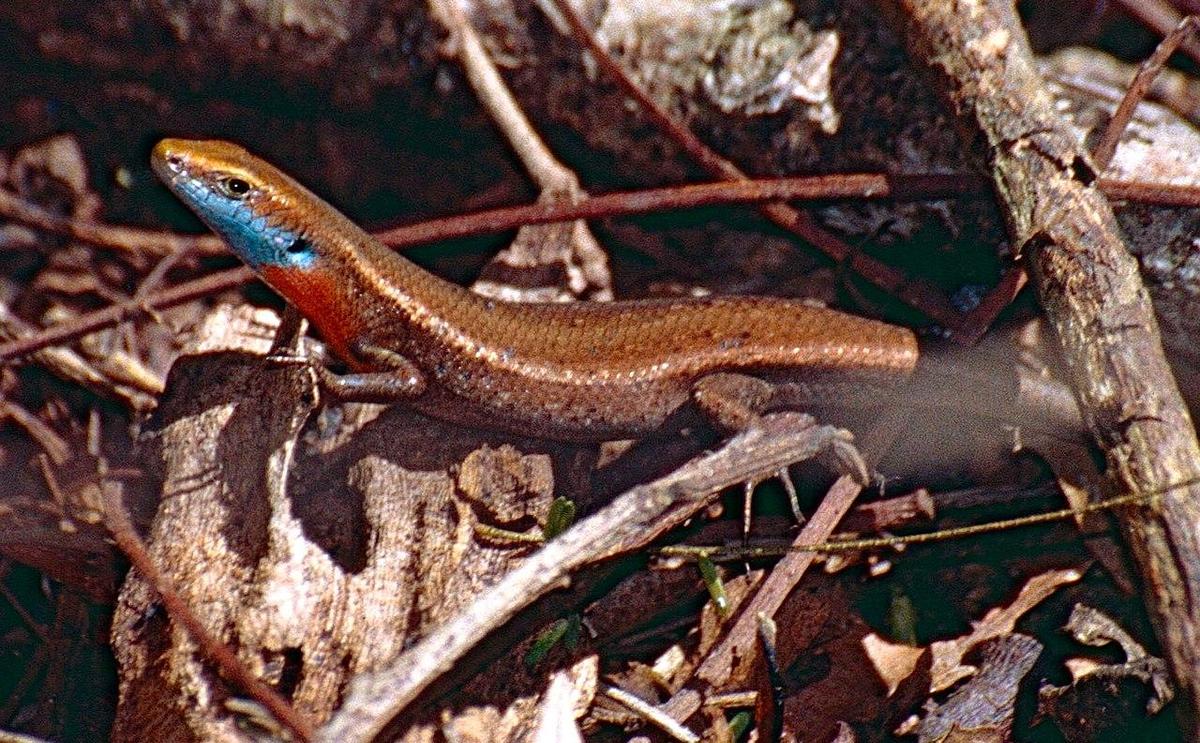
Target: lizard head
[302, 247]
[254, 206]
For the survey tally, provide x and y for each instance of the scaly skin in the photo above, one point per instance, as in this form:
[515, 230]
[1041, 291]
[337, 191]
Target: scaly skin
[583, 371]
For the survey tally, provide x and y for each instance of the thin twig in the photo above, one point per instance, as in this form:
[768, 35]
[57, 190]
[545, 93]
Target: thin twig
[651, 714]
[976, 322]
[502, 107]
[24, 614]
[576, 244]
[1143, 192]
[51, 443]
[212, 648]
[624, 203]
[628, 523]
[1160, 18]
[914, 292]
[1103, 152]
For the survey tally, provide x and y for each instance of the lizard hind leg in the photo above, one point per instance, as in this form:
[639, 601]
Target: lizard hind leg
[735, 402]
[785, 478]
[732, 402]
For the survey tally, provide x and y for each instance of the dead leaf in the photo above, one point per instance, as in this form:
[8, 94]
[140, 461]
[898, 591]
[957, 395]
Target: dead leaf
[948, 667]
[1105, 698]
[893, 662]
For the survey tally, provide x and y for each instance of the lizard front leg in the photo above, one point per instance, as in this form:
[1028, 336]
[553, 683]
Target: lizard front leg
[398, 379]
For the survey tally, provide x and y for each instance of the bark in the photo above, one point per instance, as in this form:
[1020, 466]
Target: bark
[1091, 292]
[315, 557]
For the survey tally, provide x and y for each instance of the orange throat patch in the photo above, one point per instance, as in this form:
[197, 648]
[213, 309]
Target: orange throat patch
[322, 298]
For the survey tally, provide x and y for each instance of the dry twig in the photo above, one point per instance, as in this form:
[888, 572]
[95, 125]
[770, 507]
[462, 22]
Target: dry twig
[1091, 291]
[1106, 146]
[1162, 18]
[629, 522]
[733, 657]
[212, 648]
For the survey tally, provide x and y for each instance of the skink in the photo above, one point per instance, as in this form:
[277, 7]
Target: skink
[583, 371]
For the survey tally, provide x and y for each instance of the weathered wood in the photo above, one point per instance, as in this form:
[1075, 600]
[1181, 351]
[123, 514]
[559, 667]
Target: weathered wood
[312, 569]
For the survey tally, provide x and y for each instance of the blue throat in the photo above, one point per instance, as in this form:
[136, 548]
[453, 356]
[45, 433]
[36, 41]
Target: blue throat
[256, 241]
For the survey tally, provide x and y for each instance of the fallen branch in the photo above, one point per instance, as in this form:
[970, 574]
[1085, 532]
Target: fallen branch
[1092, 294]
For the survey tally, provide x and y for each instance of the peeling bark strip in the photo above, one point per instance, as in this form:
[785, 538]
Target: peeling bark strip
[1091, 292]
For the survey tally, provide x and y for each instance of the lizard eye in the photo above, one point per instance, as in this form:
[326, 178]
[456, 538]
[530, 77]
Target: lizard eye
[234, 187]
